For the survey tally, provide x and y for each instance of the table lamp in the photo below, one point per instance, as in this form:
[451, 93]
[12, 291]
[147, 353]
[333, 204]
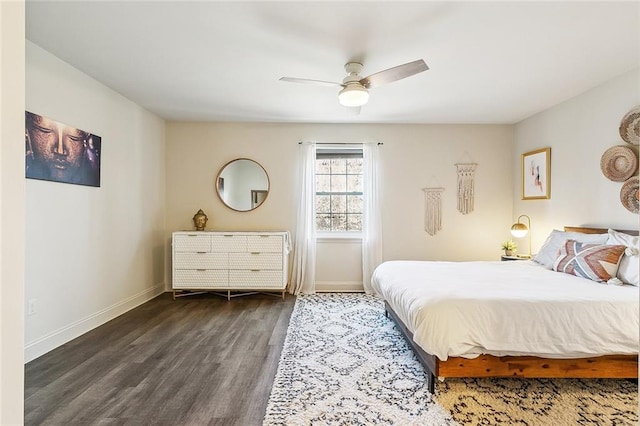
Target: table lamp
[520, 230]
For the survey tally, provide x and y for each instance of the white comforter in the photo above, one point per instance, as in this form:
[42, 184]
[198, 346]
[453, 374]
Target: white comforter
[508, 308]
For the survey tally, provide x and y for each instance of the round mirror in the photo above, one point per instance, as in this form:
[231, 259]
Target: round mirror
[242, 184]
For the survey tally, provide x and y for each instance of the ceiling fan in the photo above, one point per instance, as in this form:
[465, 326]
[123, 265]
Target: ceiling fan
[355, 89]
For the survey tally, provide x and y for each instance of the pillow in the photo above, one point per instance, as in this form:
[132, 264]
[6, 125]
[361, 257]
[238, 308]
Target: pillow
[593, 261]
[629, 269]
[549, 250]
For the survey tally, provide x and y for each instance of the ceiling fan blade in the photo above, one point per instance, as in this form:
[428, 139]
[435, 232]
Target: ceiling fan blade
[394, 74]
[315, 82]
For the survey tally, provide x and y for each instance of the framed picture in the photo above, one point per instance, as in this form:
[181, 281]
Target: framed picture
[257, 197]
[59, 152]
[536, 174]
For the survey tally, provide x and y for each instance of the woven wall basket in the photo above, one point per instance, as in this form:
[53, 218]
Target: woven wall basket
[630, 126]
[629, 195]
[619, 163]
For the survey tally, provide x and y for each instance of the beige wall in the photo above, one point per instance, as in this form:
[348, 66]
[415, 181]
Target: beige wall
[92, 253]
[578, 132]
[412, 157]
[12, 223]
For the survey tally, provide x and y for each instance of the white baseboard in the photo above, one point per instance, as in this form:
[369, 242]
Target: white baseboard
[42, 345]
[339, 287]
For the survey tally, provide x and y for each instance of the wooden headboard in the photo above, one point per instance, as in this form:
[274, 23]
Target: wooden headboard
[587, 230]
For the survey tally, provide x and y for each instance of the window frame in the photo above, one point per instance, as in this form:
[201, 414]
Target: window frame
[339, 151]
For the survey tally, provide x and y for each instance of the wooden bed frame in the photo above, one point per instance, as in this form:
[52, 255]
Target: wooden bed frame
[609, 366]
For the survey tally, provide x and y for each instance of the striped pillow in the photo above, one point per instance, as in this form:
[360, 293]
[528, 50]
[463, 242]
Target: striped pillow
[593, 261]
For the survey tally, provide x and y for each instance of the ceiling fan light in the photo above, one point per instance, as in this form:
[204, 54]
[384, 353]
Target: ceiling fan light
[353, 96]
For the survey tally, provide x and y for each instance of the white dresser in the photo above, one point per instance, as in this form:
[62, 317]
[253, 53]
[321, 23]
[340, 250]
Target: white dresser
[238, 262]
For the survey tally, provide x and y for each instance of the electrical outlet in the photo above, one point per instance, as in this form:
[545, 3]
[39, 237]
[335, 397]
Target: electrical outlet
[31, 308]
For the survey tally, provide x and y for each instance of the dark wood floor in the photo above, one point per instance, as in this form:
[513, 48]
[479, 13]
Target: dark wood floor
[198, 360]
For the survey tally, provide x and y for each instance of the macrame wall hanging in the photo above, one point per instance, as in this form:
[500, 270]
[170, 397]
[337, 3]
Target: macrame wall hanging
[432, 210]
[466, 177]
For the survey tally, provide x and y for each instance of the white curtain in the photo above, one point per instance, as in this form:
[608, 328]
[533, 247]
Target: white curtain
[304, 256]
[372, 219]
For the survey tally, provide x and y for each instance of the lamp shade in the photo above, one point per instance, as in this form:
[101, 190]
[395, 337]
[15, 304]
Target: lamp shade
[353, 96]
[519, 230]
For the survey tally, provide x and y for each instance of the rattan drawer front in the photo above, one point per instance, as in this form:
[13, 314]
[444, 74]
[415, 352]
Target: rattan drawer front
[255, 261]
[192, 242]
[264, 243]
[228, 243]
[200, 278]
[201, 261]
[255, 279]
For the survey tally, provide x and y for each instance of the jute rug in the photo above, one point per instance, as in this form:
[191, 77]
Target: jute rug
[344, 363]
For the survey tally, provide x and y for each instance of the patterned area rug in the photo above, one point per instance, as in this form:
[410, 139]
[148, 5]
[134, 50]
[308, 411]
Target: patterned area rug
[344, 363]
[540, 401]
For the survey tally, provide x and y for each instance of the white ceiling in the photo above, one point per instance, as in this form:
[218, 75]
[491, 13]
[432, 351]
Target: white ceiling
[491, 62]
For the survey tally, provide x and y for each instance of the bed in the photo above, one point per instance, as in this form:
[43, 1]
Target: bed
[513, 319]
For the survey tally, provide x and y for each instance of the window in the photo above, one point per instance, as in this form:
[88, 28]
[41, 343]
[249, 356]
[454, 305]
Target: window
[339, 190]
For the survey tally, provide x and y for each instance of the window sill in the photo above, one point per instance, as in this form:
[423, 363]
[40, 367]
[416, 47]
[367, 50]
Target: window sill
[338, 237]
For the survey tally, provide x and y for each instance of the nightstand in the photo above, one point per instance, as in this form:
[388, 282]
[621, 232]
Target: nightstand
[505, 258]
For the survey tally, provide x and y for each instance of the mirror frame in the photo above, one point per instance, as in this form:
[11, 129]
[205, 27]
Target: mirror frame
[217, 186]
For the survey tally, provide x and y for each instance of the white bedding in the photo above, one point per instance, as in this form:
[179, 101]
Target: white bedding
[508, 308]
